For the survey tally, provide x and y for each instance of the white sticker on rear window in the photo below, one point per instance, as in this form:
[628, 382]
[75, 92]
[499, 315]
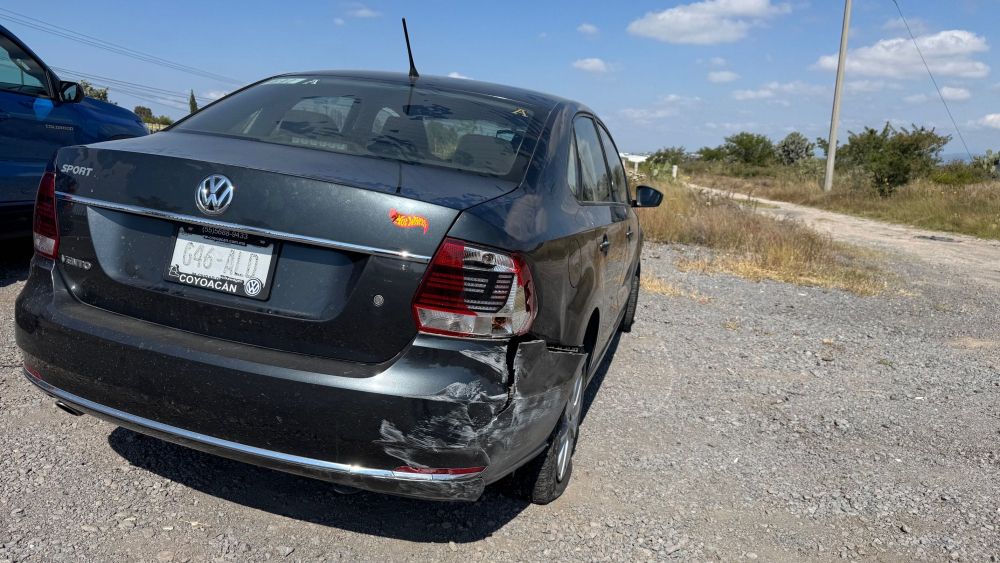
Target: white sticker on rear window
[285, 81]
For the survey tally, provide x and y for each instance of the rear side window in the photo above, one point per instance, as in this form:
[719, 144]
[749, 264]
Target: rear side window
[572, 170]
[619, 187]
[595, 181]
[468, 132]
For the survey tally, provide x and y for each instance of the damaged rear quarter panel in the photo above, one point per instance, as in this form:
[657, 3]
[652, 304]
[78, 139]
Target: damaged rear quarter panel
[516, 426]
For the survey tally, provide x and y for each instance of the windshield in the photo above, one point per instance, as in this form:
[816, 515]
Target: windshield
[364, 117]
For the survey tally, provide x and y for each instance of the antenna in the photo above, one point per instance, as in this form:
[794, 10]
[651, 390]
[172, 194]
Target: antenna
[413, 69]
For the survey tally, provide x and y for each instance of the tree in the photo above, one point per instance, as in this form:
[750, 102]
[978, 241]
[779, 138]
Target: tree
[893, 157]
[750, 148]
[668, 157]
[192, 103]
[144, 113]
[91, 91]
[712, 154]
[794, 149]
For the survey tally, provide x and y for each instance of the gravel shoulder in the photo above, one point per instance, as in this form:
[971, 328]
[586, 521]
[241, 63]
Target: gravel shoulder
[977, 258]
[756, 420]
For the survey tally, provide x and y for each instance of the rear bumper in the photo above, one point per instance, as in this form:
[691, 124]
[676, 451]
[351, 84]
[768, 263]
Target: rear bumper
[442, 403]
[434, 487]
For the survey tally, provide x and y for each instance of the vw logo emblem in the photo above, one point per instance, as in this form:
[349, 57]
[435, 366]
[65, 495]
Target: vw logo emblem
[252, 287]
[214, 195]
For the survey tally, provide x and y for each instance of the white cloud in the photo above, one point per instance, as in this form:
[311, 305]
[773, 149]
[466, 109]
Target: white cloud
[723, 76]
[992, 120]
[362, 11]
[727, 126]
[948, 53]
[865, 86]
[916, 99]
[744, 95]
[214, 94]
[666, 106]
[708, 22]
[775, 89]
[454, 74]
[594, 65]
[339, 21]
[955, 94]
[717, 61]
[917, 25]
[588, 29]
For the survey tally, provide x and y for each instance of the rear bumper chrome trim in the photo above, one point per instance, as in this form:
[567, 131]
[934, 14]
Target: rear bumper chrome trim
[265, 233]
[242, 451]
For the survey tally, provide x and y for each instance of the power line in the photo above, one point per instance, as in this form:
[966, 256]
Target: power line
[116, 84]
[934, 80]
[52, 29]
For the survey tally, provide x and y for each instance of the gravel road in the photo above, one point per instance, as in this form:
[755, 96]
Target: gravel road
[975, 258]
[740, 420]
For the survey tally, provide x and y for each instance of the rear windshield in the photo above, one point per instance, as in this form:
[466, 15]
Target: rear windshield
[467, 132]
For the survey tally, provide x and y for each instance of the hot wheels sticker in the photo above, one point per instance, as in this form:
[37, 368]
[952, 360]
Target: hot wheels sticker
[404, 221]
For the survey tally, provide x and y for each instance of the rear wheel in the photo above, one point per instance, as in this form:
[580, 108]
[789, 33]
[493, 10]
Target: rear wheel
[633, 302]
[545, 478]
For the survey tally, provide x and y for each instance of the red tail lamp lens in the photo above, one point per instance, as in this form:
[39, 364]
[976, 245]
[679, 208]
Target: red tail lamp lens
[45, 228]
[475, 292]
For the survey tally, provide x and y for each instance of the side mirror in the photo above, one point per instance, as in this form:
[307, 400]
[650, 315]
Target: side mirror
[646, 196]
[71, 92]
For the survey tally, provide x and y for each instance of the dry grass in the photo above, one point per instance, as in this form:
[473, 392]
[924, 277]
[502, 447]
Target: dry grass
[756, 246]
[972, 210]
[660, 287]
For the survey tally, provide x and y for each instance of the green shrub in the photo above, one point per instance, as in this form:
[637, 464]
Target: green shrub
[749, 148]
[712, 154]
[989, 163]
[795, 148]
[668, 156]
[893, 157]
[958, 173]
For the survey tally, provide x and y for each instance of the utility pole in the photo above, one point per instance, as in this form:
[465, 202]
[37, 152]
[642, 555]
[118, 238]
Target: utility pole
[831, 157]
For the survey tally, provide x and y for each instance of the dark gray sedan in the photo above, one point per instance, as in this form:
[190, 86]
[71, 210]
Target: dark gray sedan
[400, 285]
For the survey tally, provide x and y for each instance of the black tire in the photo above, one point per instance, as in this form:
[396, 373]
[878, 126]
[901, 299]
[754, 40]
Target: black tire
[633, 302]
[545, 478]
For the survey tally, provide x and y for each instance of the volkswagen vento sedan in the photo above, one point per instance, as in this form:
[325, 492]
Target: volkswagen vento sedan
[395, 285]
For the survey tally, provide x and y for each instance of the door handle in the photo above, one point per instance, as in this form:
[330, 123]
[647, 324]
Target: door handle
[605, 245]
[628, 235]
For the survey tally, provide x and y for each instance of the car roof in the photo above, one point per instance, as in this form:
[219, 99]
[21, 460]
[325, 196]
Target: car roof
[539, 100]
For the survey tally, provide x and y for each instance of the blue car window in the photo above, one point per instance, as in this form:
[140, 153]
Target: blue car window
[19, 72]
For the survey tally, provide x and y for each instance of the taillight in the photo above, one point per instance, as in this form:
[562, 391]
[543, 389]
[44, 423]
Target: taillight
[475, 292]
[45, 230]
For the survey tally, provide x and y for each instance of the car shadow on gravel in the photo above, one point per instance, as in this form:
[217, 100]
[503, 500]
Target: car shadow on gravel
[595, 384]
[316, 501]
[15, 255]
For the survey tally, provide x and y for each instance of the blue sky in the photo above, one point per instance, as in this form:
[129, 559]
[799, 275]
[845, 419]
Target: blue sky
[660, 73]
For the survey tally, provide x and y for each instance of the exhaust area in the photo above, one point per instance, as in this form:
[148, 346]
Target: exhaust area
[66, 408]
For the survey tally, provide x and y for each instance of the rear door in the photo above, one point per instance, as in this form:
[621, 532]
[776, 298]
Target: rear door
[624, 230]
[595, 187]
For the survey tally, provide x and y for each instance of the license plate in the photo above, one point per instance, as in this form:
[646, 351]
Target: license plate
[222, 260]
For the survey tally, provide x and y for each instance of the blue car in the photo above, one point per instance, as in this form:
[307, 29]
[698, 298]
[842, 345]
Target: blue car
[39, 114]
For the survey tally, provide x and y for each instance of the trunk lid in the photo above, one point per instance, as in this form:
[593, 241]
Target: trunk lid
[349, 238]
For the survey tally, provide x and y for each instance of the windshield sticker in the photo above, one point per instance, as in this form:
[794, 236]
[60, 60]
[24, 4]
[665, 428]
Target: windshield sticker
[521, 112]
[286, 81]
[404, 221]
